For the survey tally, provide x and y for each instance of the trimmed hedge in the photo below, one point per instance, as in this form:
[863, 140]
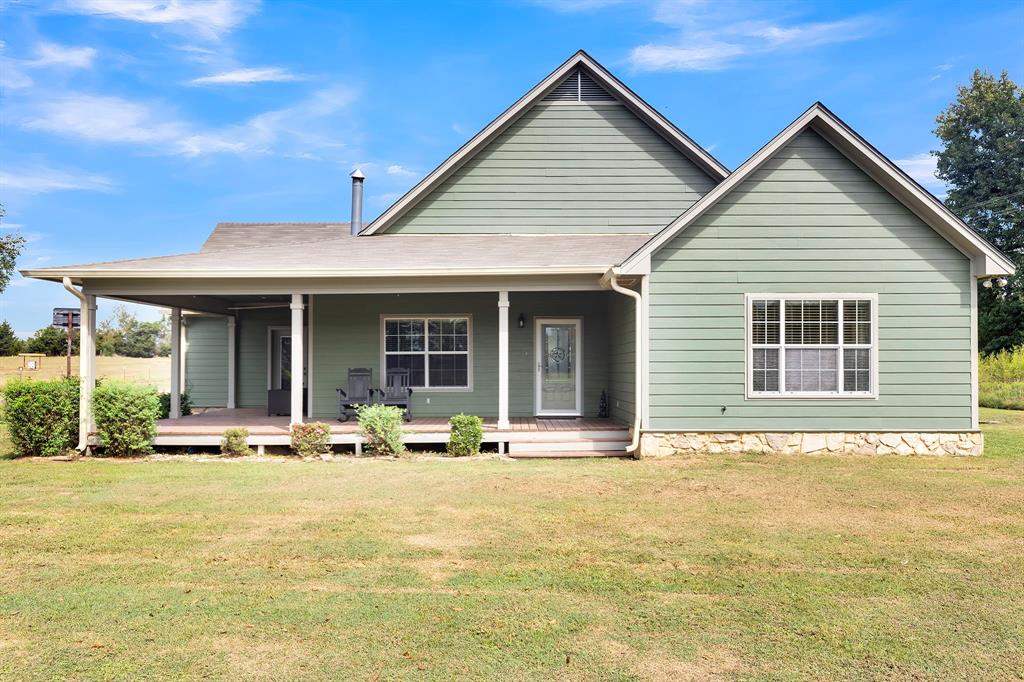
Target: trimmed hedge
[235, 442]
[381, 426]
[165, 405]
[41, 416]
[311, 438]
[126, 417]
[467, 435]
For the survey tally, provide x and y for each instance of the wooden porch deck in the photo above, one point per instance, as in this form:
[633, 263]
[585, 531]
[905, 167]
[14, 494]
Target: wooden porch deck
[526, 434]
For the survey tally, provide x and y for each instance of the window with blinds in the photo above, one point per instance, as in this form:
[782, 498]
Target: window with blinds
[811, 345]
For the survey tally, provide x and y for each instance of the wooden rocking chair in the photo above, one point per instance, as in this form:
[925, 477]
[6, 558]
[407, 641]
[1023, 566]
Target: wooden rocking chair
[360, 392]
[397, 391]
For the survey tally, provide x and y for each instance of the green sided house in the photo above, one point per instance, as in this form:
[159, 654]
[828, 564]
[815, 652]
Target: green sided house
[591, 281]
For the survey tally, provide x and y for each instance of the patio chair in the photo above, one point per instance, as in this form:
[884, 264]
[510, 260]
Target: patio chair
[396, 391]
[360, 392]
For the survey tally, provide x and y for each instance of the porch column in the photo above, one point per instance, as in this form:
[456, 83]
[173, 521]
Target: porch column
[175, 409]
[231, 362]
[503, 422]
[296, 391]
[87, 367]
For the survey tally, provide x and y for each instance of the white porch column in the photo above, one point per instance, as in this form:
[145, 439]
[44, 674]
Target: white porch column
[296, 392]
[503, 422]
[231, 362]
[87, 367]
[175, 410]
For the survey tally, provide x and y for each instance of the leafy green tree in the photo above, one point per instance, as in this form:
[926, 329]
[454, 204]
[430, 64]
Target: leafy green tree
[126, 335]
[52, 341]
[10, 248]
[982, 161]
[10, 344]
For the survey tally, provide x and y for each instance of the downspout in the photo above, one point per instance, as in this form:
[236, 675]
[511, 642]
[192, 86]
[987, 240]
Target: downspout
[83, 366]
[613, 282]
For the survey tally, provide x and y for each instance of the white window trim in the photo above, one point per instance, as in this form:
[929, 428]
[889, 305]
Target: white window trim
[748, 356]
[468, 388]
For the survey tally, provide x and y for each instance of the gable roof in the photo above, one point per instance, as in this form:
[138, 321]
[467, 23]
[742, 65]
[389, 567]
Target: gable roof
[987, 259]
[603, 79]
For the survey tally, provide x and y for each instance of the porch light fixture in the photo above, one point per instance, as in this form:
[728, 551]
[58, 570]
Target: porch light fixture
[522, 321]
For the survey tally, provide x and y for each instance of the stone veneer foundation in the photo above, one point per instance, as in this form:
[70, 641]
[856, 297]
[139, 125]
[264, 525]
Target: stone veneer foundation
[892, 443]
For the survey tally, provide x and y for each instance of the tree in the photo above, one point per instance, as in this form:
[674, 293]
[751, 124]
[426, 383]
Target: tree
[125, 335]
[982, 161]
[9, 343]
[52, 341]
[10, 248]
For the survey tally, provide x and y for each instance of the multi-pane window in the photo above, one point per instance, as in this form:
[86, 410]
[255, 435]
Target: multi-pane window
[435, 350]
[806, 345]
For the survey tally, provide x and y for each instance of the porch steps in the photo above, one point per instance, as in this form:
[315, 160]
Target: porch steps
[574, 447]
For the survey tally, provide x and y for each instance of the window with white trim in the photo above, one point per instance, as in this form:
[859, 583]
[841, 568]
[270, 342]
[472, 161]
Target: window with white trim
[435, 350]
[811, 345]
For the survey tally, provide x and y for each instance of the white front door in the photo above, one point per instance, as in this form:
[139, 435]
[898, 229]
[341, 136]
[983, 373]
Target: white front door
[558, 351]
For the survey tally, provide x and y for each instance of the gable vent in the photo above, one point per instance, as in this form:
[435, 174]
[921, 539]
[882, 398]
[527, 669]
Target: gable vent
[579, 87]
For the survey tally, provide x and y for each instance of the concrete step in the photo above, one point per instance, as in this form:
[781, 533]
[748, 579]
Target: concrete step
[593, 445]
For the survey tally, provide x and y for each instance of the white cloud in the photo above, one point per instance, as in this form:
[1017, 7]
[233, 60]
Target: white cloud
[208, 18]
[269, 74]
[291, 131]
[400, 171]
[51, 54]
[103, 119]
[39, 179]
[719, 36]
[921, 167]
[706, 57]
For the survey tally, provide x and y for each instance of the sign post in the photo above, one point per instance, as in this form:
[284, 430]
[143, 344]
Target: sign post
[70, 319]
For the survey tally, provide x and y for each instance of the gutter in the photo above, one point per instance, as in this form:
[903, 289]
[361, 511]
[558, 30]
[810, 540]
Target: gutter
[84, 408]
[611, 278]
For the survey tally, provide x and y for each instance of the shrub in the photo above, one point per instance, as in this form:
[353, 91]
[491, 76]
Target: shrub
[381, 426]
[467, 434]
[126, 417]
[165, 405]
[1001, 380]
[311, 439]
[41, 416]
[235, 441]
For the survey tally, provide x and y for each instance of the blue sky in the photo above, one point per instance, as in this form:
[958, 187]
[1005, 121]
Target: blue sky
[130, 127]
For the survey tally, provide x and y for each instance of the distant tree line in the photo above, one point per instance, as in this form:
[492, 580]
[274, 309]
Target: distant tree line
[124, 334]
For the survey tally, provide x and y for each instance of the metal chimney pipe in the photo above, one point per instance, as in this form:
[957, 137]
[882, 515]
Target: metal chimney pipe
[357, 201]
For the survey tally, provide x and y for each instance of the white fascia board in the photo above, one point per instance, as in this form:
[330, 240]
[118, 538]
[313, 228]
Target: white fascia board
[987, 259]
[646, 112]
[58, 274]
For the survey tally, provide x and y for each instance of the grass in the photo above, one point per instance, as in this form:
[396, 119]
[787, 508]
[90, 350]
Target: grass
[153, 371]
[736, 567]
[1001, 380]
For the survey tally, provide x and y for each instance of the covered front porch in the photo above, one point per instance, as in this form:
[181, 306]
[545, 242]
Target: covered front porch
[550, 364]
[523, 437]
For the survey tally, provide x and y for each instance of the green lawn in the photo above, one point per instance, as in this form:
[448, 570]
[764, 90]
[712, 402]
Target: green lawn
[751, 567]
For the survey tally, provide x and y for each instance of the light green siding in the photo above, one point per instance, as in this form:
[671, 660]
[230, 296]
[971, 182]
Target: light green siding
[621, 367]
[564, 168]
[252, 353]
[810, 221]
[346, 333]
[206, 357]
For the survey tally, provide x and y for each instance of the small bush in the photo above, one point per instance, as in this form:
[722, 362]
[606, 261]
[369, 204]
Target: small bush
[1001, 380]
[126, 417]
[235, 442]
[381, 426]
[467, 434]
[165, 405]
[311, 439]
[41, 416]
